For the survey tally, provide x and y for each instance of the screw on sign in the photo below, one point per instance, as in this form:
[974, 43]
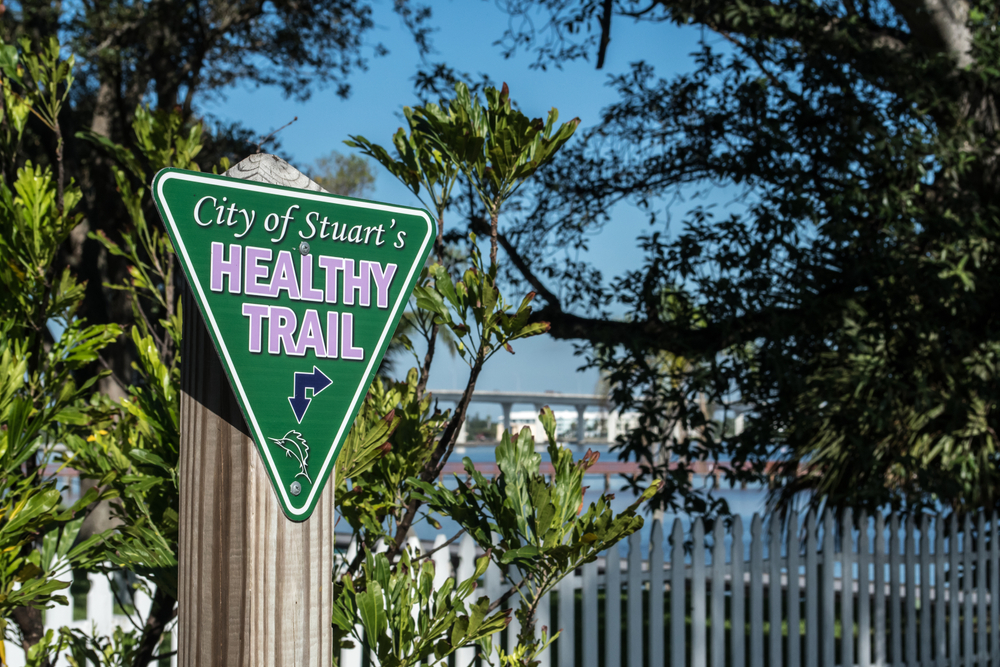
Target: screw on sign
[301, 292]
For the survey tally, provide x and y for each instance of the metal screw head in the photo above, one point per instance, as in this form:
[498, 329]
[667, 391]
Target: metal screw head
[296, 488]
[304, 248]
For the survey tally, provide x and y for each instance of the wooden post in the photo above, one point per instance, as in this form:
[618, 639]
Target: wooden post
[255, 588]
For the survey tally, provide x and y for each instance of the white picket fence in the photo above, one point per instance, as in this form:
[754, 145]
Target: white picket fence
[922, 591]
[100, 618]
[919, 591]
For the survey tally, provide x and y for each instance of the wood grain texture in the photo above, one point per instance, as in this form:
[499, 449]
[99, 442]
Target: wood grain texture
[264, 168]
[255, 588]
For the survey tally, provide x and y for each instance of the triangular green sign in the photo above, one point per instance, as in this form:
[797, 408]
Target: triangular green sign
[301, 292]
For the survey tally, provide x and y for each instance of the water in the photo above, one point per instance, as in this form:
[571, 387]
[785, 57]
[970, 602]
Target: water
[741, 501]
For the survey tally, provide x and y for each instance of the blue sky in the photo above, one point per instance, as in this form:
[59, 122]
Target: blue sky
[467, 30]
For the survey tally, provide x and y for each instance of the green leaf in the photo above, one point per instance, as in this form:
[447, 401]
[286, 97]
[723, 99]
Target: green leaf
[523, 553]
[9, 60]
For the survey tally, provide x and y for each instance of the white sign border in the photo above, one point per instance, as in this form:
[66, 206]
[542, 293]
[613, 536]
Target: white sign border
[194, 177]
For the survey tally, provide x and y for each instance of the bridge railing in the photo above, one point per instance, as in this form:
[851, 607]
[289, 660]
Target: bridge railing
[613, 421]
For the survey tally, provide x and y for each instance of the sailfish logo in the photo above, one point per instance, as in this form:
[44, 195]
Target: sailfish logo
[295, 447]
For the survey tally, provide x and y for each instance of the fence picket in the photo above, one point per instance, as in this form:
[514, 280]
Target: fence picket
[466, 568]
[954, 649]
[55, 618]
[613, 608]
[909, 577]
[940, 638]
[678, 641]
[879, 562]
[349, 657]
[757, 593]
[514, 577]
[589, 647]
[967, 591]
[414, 548]
[951, 597]
[717, 652]
[543, 617]
[980, 586]
[100, 603]
[794, 602]
[698, 635]
[174, 640]
[142, 603]
[442, 562]
[827, 595]
[738, 627]
[634, 623]
[62, 614]
[994, 589]
[494, 589]
[812, 593]
[567, 618]
[656, 628]
[774, 595]
[925, 591]
[847, 588]
[894, 606]
[864, 596]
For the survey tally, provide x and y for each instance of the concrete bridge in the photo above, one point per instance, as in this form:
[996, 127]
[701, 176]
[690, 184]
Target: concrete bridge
[508, 399]
[616, 421]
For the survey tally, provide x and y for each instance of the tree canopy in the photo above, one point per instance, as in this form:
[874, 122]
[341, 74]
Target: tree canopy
[389, 470]
[849, 303]
[170, 54]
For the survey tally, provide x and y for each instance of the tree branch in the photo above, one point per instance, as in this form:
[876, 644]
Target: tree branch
[605, 32]
[873, 50]
[445, 545]
[525, 269]
[432, 469]
[162, 611]
[508, 594]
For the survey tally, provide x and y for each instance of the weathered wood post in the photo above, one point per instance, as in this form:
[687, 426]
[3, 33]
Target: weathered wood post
[254, 588]
[293, 297]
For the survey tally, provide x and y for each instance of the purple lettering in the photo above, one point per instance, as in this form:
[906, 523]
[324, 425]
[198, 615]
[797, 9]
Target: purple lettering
[382, 281]
[284, 276]
[360, 283]
[282, 331]
[309, 293]
[347, 349]
[254, 271]
[257, 314]
[311, 335]
[331, 265]
[331, 334]
[230, 268]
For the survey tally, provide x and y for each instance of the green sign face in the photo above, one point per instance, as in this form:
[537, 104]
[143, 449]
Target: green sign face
[301, 292]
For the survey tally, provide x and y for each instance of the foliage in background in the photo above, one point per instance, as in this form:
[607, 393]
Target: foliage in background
[175, 55]
[347, 175]
[844, 296]
[43, 348]
[389, 469]
[543, 536]
[535, 527]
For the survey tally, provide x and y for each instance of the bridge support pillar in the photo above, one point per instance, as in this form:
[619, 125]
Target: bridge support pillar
[581, 424]
[612, 426]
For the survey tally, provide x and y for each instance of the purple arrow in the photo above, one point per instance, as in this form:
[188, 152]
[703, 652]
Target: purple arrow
[316, 381]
